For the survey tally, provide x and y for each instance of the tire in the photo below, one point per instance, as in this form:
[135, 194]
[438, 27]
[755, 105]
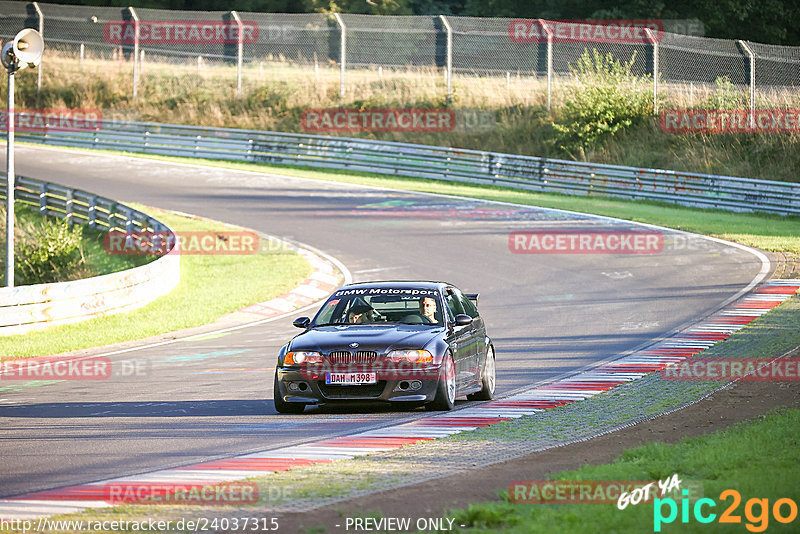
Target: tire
[281, 405]
[488, 379]
[446, 387]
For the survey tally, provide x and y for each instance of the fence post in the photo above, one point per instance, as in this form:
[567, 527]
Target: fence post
[342, 51]
[239, 51]
[39, 16]
[449, 59]
[135, 18]
[549, 33]
[651, 37]
[749, 53]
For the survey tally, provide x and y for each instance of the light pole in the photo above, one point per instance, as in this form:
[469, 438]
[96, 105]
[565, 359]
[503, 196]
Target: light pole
[24, 51]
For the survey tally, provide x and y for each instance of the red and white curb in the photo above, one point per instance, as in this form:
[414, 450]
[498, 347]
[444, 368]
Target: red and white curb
[684, 345]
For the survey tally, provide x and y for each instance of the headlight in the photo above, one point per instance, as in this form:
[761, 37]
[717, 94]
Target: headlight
[298, 357]
[410, 356]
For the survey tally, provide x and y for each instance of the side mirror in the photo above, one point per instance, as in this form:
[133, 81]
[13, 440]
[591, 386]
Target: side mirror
[302, 322]
[462, 319]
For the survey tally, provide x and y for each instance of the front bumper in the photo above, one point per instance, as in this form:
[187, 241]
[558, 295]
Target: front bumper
[298, 385]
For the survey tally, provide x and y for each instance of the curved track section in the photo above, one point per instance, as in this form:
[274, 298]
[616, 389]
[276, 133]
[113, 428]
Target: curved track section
[210, 397]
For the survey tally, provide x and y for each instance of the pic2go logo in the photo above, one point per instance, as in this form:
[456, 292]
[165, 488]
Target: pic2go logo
[783, 511]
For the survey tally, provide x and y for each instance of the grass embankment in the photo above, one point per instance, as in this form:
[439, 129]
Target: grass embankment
[210, 287]
[274, 96]
[730, 459]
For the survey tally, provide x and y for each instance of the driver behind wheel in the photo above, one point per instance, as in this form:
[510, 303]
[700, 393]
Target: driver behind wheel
[360, 313]
[427, 307]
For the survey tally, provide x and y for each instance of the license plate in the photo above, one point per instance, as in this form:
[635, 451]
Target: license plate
[350, 378]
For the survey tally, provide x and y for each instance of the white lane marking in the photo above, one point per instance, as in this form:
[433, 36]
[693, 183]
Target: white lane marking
[618, 275]
[379, 269]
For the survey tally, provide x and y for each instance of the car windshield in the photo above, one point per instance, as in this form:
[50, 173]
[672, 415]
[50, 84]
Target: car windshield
[380, 306]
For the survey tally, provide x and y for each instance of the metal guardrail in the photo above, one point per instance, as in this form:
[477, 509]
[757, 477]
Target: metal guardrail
[422, 161]
[23, 308]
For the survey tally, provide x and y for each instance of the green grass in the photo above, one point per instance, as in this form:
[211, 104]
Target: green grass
[770, 232]
[730, 459]
[211, 286]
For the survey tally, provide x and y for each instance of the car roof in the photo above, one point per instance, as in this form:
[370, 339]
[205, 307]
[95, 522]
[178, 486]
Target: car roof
[399, 284]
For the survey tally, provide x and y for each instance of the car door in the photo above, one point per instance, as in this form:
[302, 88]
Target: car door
[462, 339]
[477, 343]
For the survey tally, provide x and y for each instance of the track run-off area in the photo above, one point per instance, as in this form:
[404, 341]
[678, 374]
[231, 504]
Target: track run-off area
[208, 398]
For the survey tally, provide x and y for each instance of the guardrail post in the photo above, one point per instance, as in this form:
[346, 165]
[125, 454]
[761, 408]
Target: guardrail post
[68, 207]
[342, 52]
[752, 57]
[40, 18]
[43, 199]
[135, 50]
[449, 58]
[651, 37]
[128, 222]
[239, 51]
[549, 33]
[92, 215]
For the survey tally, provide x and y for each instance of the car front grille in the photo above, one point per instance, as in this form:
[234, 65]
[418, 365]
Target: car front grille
[339, 357]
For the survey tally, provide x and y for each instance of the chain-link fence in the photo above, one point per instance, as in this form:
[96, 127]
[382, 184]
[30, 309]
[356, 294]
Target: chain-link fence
[463, 56]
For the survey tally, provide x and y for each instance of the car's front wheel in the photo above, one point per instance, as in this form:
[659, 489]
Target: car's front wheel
[488, 378]
[281, 405]
[446, 388]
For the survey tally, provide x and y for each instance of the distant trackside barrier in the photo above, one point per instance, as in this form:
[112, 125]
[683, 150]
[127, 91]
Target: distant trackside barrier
[449, 164]
[23, 308]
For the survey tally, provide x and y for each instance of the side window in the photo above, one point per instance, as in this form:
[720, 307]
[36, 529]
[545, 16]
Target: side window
[453, 303]
[449, 310]
[469, 307]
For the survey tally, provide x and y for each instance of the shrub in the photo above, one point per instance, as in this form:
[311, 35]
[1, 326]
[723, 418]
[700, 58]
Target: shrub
[726, 95]
[47, 250]
[606, 99]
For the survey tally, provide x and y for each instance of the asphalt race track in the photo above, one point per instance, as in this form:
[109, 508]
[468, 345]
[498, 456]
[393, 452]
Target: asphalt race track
[548, 314]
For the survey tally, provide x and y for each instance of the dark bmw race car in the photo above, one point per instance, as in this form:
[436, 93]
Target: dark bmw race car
[399, 342]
